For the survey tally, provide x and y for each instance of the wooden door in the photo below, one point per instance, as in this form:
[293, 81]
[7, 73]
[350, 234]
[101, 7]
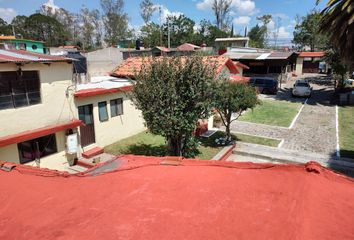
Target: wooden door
[87, 131]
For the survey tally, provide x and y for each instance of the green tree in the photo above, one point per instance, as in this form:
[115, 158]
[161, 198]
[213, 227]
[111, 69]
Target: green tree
[265, 20]
[44, 28]
[150, 34]
[19, 24]
[337, 20]
[233, 98]
[147, 8]
[181, 29]
[222, 9]
[257, 36]
[307, 32]
[173, 94]
[5, 28]
[115, 21]
[339, 67]
[207, 33]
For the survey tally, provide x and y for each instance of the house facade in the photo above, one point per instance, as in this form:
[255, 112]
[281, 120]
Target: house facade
[309, 62]
[36, 114]
[108, 114]
[11, 42]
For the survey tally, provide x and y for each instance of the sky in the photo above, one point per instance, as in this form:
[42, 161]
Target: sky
[244, 12]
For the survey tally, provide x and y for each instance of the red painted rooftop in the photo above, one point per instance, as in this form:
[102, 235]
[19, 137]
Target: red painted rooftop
[312, 54]
[133, 65]
[145, 199]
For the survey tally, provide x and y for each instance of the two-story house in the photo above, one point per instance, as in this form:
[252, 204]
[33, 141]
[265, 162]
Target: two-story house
[36, 109]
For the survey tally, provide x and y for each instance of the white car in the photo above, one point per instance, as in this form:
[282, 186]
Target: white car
[302, 89]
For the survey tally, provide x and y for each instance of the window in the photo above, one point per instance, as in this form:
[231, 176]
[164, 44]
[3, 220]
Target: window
[34, 47]
[37, 148]
[102, 111]
[19, 89]
[116, 107]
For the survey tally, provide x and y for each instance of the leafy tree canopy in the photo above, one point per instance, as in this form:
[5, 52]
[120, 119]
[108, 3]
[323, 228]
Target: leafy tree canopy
[257, 36]
[173, 94]
[233, 98]
[307, 32]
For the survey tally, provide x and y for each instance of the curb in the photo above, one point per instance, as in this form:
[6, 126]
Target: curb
[225, 153]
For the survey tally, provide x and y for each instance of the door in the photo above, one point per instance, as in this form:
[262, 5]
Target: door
[87, 131]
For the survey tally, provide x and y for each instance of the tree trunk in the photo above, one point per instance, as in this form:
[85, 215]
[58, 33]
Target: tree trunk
[228, 126]
[175, 146]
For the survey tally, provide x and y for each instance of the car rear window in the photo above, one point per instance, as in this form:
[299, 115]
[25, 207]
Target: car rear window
[259, 81]
[302, 84]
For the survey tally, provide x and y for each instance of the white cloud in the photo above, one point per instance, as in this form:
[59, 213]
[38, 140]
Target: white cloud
[243, 20]
[50, 4]
[283, 33]
[165, 12]
[243, 7]
[7, 14]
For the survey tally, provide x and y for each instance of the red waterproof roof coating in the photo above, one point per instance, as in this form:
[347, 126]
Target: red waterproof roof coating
[195, 200]
[99, 91]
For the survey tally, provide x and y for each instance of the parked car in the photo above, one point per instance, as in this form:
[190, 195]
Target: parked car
[302, 88]
[264, 85]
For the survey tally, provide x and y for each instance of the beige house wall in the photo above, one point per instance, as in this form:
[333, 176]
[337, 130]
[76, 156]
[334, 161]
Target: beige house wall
[57, 161]
[55, 107]
[299, 66]
[116, 128]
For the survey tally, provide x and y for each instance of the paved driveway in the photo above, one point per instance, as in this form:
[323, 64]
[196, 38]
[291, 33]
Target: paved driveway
[314, 130]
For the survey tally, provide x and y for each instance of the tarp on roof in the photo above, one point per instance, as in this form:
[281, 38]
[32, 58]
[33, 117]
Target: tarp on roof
[144, 199]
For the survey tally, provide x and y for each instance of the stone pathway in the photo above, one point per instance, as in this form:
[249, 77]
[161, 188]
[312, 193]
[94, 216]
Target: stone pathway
[314, 130]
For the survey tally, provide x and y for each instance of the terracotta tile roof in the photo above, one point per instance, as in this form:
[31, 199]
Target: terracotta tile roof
[312, 54]
[170, 198]
[133, 65]
[21, 56]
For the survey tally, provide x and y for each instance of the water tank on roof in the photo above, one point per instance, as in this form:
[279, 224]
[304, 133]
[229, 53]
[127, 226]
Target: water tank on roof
[80, 66]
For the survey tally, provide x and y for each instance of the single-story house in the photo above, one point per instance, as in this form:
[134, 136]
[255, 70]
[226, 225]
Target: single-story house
[309, 62]
[107, 111]
[263, 62]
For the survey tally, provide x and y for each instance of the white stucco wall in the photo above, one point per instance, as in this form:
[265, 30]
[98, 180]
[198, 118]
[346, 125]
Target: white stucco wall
[299, 66]
[116, 128]
[55, 107]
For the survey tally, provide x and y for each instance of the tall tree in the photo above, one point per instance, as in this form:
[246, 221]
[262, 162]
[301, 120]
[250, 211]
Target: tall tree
[44, 28]
[181, 93]
[265, 20]
[115, 21]
[257, 36]
[4, 27]
[233, 98]
[207, 32]
[307, 33]
[147, 8]
[181, 29]
[150, 34]
[338, 21]
[19, 24]
[222, 10]
[87, 20]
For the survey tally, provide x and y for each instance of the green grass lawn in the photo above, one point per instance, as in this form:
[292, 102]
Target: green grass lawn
[271, 112]
[149, 144]
[346, 131]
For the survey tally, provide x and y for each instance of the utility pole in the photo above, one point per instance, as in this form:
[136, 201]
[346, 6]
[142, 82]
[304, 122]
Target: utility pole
[168, 33]
[160, 12]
